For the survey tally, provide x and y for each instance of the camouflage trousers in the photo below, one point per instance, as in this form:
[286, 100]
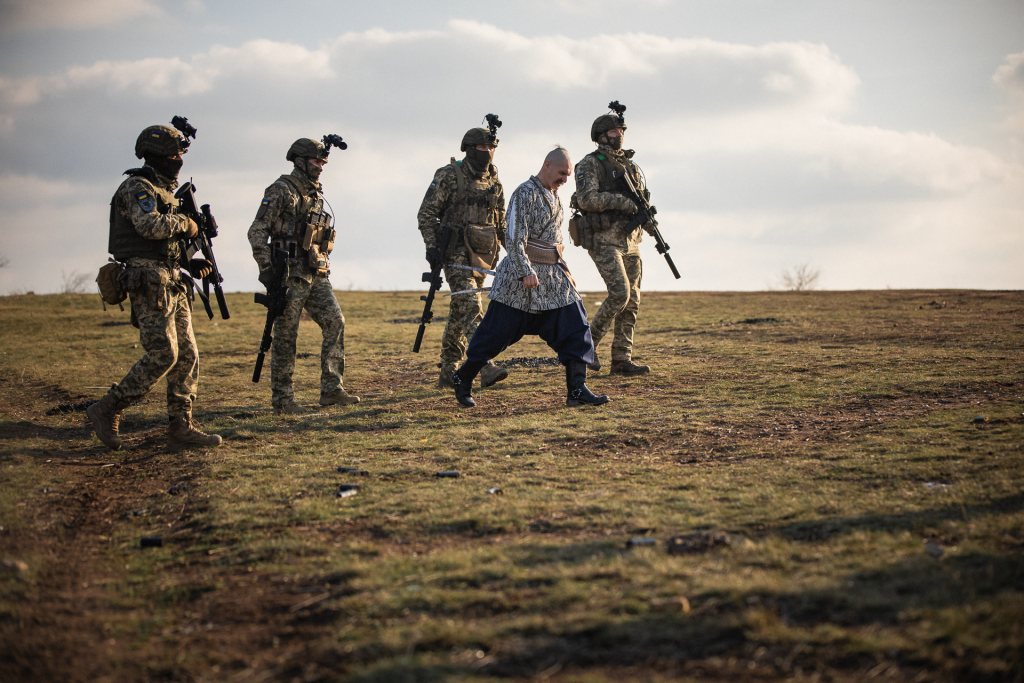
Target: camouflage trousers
[464, 313]
[164, 314]
[621, 271]
[318, 299]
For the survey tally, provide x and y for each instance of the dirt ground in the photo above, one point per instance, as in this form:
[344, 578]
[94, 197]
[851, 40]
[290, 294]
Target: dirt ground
[60, 622]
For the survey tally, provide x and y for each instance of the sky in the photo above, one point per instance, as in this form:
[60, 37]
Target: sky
[880, 142]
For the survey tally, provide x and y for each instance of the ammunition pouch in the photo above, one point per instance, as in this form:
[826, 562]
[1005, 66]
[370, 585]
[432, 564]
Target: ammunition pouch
[481, 245]
[318, 241]
[107, 282]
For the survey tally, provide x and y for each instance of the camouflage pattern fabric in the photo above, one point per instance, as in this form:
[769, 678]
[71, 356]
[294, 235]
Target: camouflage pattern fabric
[162, 307]
[282, 213]
[534, 212]
[608, 212]
[464, 313]
[439, 207]
[147, 206]
[621, 271]
[317, 298]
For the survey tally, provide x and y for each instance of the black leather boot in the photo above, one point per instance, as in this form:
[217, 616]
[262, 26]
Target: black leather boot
[576, 382]
[462, 380]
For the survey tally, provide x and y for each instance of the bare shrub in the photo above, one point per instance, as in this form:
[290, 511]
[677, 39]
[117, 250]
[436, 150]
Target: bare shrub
[801, 278]
[74, 282]
[4, 261]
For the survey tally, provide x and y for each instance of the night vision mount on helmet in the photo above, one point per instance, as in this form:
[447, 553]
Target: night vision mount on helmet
[603, 124]
[334, 140]
[482, 136]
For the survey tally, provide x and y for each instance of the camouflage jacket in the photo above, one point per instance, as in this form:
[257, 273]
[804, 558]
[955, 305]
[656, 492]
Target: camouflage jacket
[282, 216]
[143, 217]
[606, 209]
[483, 204]
[534, 213]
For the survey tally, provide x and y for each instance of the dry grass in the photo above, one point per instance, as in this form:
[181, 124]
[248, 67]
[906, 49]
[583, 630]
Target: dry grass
[828, 436]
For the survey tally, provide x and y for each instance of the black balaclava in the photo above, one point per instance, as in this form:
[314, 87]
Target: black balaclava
[479, 159]
[165, 166]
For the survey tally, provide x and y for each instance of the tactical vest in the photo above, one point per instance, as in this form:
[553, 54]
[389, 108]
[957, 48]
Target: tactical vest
[125, 242]
[476, 201]
[612, 173]
[475, 211]
[307, 235]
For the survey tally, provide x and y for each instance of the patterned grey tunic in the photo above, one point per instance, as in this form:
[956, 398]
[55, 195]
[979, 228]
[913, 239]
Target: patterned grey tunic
[533, 213]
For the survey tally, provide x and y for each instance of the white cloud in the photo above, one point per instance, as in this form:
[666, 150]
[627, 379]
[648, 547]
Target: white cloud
[71, 14]
[1009, 78]
[751, 156]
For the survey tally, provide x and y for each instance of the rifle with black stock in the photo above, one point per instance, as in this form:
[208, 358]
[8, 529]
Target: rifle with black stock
[275, 300]
[645, 216]
[203, 242]
[435, 280]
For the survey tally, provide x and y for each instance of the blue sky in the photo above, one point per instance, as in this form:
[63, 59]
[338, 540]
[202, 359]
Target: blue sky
[880, 142]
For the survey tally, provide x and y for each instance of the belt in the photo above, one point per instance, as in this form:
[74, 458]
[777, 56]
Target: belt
[548, 254]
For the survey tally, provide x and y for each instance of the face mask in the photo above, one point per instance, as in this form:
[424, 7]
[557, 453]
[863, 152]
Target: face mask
[165, 166]
[480, 158]
[310, 170]
[614, 143]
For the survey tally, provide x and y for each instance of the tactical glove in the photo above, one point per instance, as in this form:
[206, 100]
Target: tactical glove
[193, 229]
[200, 267]
[434, 257]
[267, 277]
[627, 206]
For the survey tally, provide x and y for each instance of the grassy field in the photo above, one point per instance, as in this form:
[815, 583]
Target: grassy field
[845, 470]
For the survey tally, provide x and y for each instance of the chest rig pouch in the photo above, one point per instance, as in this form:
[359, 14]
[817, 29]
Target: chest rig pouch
[612, 180]
[310, 235]
[318, 240]
[480, 210]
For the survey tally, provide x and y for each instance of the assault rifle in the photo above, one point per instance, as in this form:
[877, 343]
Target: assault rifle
[203, 241]
[645, 216]
[435, 280]
[275, 300]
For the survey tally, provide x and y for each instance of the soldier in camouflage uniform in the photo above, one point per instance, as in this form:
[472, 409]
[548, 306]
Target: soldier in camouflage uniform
[293, 206]
[468, 196]
[146, 234]
[605, 211]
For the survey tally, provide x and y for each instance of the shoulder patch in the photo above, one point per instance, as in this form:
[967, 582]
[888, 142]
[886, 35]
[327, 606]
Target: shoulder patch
[262, 211]
[146, 201]
[601, 157]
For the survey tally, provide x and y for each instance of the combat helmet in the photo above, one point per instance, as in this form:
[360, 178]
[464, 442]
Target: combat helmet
[478, 136]
[160, 140]
[603, 124]
[304, 147]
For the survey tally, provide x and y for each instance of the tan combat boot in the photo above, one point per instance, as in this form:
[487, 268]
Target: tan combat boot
[491, 374]
[106, 418]
[184, 433]
[628, 368]
[338, 397]
[444, 378]
[290, 408]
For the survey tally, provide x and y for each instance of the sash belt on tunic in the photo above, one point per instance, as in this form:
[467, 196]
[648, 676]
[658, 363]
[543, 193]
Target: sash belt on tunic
[547, 254]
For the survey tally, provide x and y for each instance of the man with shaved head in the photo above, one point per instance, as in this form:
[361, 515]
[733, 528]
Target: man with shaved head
[533, 291]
